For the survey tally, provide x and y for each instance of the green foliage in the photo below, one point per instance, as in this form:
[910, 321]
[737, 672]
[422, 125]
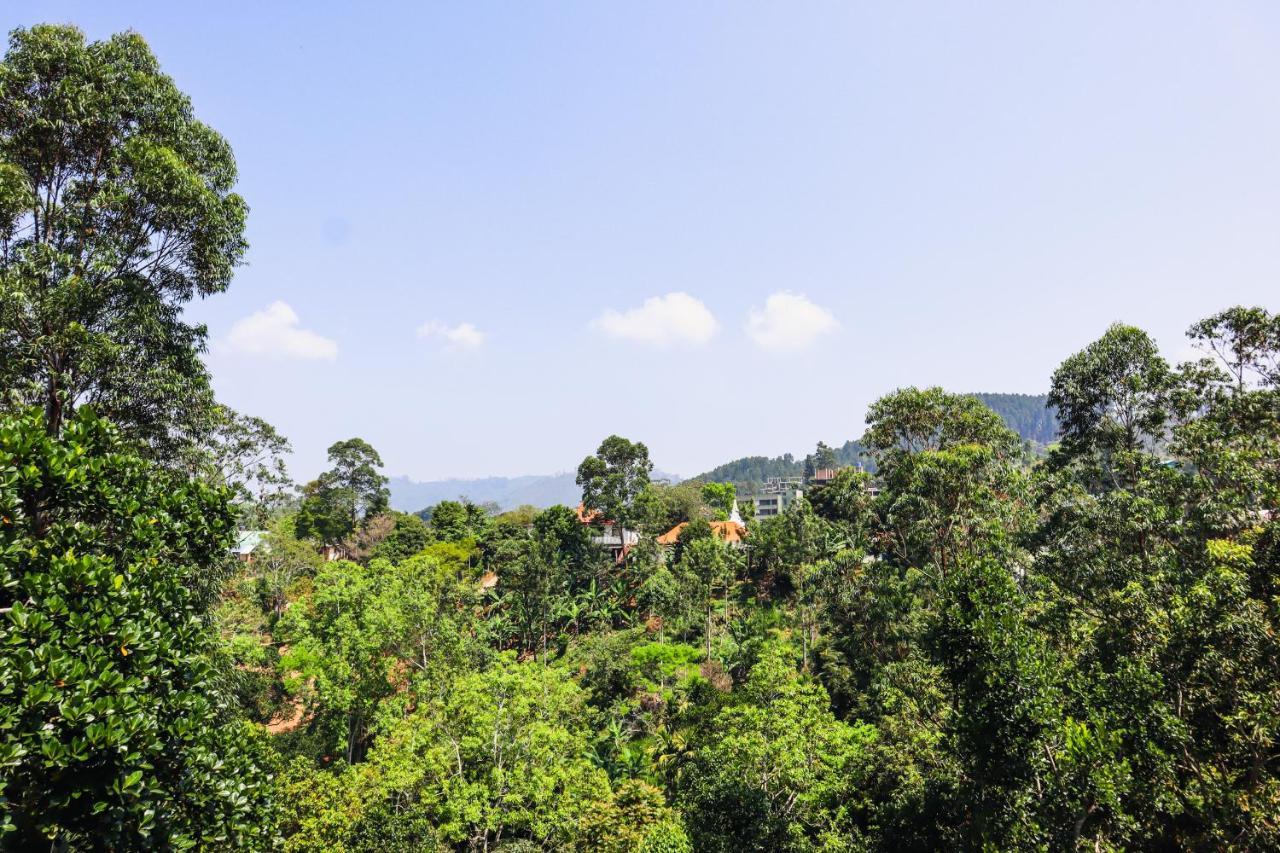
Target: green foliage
[246, 454]
[912, 420]
[361, 631]
[846, 500]
[636, 819]
[115, 732]
[966, 649]
[408, 536]
[824, 457]
[720, 497]
[657, 665]
[1112, 395]
[1005, 703]
[753, 469]
[776, 770]
[1246, 341]
[614, 478]
[497, 755]
[319, 810]
[663, 505]
[350, 493]
[708, 568]
[115, 209]
[453, 521]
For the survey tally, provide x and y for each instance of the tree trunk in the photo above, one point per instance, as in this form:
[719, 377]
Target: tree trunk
[53, 409]
[708, 631]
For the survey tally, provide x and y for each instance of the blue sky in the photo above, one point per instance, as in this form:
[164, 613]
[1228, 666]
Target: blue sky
[486, 235]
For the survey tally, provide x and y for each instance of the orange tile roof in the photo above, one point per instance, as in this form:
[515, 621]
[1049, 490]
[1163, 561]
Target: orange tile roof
[727, 531]
[589, 516]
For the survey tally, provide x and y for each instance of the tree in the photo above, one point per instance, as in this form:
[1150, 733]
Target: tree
[1112, 396]
[338, 658]
[662, 505]
[776, 770]
[408, 536]
[280, 564]
[245, 454]
[355, 468]
[534, 577]
[613, 479]
[364, 629]
[912, 420]
[846, 500]
[1152, 579]
[114, 732]
[348, 494]
[115, 209]
[1245, 340]
[326, 514]
[1005, 705]
[1232, 437]
[559, 528]
[822, 458]
[453, 521]
[939, 506]
[635, 819]
[497, 756]
[705, 561]
[721, 497]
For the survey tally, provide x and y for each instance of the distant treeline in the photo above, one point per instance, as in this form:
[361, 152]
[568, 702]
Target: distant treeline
[1029, 415]
[757, 469]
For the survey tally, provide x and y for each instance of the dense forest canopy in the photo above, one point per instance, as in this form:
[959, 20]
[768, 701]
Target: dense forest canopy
[957, 645]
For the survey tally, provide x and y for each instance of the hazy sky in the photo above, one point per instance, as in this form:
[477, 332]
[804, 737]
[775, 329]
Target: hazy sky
[485, 236]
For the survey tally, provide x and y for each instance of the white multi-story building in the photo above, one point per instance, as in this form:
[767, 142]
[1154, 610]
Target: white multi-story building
[775, 496]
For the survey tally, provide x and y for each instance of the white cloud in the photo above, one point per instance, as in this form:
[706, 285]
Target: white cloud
[274, 331]
[676, 318]
[461, 336]
[789, 322]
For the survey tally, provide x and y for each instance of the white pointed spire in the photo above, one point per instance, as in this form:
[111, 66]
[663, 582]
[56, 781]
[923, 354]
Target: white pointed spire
[734, 515]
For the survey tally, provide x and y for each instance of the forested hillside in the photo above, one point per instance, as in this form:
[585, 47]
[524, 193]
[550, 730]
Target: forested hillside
[753, 469]
[973, 648]
[1029, 415]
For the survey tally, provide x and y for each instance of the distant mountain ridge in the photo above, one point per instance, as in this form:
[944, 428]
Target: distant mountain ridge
[1029, 415]
[1026, 414]
[507, 492]
[540, 490]
[756, 469]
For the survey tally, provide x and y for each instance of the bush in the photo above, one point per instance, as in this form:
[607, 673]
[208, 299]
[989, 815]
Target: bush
[113, 733]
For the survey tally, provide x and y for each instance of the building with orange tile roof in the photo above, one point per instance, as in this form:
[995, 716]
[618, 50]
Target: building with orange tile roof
[729, 532]
[612, 538]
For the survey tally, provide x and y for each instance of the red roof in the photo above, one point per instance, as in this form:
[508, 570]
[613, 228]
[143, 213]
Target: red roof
[591, 516]
[726, 531]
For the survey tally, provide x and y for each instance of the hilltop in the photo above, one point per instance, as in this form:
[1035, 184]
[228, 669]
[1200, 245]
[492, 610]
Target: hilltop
[1028, 415]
